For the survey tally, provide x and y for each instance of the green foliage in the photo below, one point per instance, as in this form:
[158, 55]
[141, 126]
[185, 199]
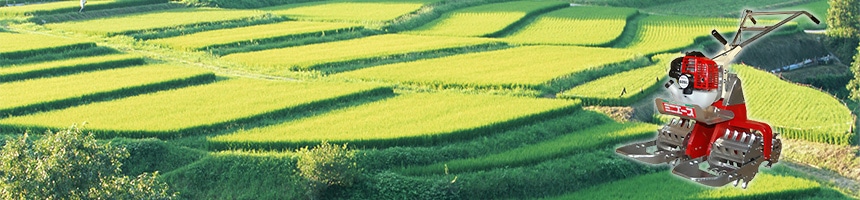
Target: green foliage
[795, 111]
[330, 56]
[251, 35]
[637, 83]
[553, 177]
[575, 26]
[842, 19]
[71, 6]
[327, 165]
[151, 155]
[94, 14]
[68, 66]
[536, 132]
[485, 20]
[77, 89]
[71, 165]
[591, 138]
[854, 85]
[764, 186]
[199, 109]
[725, 8]
[158, 21]
[419, 119]
[238, 175]
[528, 67]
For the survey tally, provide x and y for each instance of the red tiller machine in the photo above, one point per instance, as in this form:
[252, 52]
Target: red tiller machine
[712, 141]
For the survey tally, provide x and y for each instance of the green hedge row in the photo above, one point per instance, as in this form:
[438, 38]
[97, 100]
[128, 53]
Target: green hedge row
[407, 156]
[101, 96]
[237, 175]
[64, 54]
[552, 177]
[600, 136]
[13, 55]
[62, 70]
[424, 140]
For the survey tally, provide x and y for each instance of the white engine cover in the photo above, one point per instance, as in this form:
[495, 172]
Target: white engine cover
[701, 98]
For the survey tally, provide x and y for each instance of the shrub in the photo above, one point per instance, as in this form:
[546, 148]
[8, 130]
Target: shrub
[71, 165]
[327, 165]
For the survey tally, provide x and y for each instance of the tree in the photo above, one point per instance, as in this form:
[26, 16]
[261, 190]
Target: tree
[854, 85]
[327, 165]
[843, 28]
[71, 165]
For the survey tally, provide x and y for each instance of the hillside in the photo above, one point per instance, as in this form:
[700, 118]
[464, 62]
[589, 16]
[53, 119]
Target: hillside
[439, 99]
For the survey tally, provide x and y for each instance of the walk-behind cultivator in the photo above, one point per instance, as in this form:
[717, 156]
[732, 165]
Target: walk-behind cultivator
[712, 141]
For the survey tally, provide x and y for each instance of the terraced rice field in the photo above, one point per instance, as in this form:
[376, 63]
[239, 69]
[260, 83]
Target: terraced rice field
[77, 89]
[413, 119]
[578, 25]
[154, 21]
[796, 112]
[520, 67]
[253, 34]
[484, 20]
[33, 70]
[321, 56]
[70, 6]
[16, 45]
[169, 113]
[349, 11]
[667, 34]
[623, 88]
[442, 99]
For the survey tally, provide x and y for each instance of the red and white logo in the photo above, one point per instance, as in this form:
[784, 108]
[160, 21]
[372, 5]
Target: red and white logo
[679, 109]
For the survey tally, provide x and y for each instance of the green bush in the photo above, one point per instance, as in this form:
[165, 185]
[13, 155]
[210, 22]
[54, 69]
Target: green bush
[71, 165]
[327, 165]
[238, 175]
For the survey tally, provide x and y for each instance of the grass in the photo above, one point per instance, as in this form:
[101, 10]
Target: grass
[521, 67]
[363, 11]
[607, 91]
[578, 25]
[152, 21]
[252, 35]
[662, 34]
[64, 91]
[73, 65]
[327, 55]
[19, 45]
[795, 111]
[485, 20]
[196, 110]
[409, 119]
[597, 136]
[665, 186]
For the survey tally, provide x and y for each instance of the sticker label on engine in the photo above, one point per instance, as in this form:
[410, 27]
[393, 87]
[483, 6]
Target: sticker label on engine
[679, 109]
